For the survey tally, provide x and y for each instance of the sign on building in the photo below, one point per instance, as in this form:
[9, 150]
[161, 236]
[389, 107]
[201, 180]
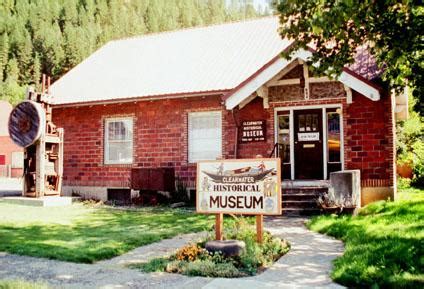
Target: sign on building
[244, 186]
[253, 130]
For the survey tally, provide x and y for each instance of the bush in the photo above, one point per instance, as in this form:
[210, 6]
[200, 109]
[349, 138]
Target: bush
[188, 253]
[154, 265]
[211, 269]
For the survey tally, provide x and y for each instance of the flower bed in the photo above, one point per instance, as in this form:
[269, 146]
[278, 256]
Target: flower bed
[195, 260]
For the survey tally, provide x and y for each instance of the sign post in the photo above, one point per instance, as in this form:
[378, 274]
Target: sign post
[219, 224]
[244, 186]
[259, 228]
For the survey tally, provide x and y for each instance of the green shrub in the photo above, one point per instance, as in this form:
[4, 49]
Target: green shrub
[210, 269]
[410, 145]
[154, 265]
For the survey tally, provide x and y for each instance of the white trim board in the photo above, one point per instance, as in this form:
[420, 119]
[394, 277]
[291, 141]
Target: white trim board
[271, 71]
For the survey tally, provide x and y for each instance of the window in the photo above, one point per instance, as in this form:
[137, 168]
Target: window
[333, 141]
[119, 141]
[204, 136]
[333, 136]
[17, 160]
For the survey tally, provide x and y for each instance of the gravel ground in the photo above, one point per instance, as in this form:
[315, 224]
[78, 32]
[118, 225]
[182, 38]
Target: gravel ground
[307, 265]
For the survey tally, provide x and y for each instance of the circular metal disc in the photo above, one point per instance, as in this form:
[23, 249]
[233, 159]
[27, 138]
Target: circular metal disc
[26, 123]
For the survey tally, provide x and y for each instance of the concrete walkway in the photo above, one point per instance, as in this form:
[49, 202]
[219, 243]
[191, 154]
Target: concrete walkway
[307, 265]
[10, 187]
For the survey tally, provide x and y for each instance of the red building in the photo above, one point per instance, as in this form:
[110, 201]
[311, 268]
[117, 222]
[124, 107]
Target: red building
[173, 98]
[11, 155]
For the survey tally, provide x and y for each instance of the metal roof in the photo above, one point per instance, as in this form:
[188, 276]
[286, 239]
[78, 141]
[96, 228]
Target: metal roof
[202, 59]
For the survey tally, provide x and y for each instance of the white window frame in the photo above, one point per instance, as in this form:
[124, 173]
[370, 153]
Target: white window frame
[204, 113]
[107, 121]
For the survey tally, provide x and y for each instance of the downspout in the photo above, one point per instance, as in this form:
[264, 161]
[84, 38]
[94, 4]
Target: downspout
[236, 134]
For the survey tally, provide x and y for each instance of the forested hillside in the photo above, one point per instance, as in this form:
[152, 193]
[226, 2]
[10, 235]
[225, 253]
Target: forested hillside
[52, 36]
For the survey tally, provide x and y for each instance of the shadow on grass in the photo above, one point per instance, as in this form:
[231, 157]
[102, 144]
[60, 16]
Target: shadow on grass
[384, 245]
[103, 234]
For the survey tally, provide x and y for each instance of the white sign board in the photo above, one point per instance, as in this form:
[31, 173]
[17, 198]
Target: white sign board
[244, 186]
[308, 136]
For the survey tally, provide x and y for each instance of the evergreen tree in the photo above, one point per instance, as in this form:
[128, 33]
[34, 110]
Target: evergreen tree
[4, 54]
[52, 36]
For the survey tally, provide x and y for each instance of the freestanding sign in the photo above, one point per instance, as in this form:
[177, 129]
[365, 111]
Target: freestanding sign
[243, 186]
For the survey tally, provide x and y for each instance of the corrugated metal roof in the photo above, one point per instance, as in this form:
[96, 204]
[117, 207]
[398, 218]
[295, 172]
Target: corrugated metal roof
[200, 59]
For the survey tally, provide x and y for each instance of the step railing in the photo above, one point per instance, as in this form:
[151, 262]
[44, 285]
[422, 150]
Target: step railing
[276, 150]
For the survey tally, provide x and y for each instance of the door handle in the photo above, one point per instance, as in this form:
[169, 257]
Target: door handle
[295, 142]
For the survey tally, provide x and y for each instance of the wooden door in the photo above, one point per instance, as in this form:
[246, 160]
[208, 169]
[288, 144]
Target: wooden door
[308, 142]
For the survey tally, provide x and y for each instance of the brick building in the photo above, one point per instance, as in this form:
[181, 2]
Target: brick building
[11, 155]
[173, 98]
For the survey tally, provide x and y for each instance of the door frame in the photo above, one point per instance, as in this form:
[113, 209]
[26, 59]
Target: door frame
[324, 133]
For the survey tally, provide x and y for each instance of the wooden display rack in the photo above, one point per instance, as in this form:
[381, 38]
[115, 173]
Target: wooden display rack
[43, 166]
[31, 127]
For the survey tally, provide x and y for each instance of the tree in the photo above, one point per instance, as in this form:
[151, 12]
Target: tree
[52, 36]
[392, 30]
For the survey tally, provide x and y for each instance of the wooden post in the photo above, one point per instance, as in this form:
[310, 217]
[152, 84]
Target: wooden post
[219, 222]
[259, 228]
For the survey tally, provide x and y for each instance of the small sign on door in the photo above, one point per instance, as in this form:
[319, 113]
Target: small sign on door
[308, 136]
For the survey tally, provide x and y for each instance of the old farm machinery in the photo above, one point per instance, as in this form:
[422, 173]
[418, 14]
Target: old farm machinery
[31, 127]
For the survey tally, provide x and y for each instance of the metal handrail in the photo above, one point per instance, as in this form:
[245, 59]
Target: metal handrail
[277, 151]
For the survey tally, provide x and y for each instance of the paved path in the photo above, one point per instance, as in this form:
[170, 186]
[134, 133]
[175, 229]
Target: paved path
[307, 265]
[10, 187]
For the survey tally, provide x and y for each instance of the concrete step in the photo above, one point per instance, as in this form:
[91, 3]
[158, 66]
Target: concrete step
[300, 197]
[296, 212]
[309, 204]
[304, 190]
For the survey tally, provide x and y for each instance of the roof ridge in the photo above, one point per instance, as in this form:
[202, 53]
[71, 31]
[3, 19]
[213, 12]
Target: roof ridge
[190, 28]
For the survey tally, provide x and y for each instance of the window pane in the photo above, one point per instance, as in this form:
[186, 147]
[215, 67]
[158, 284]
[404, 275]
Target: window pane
[204, 136]
[284, 138]
[333, 126]
[119, 144]
[17, 160]
[302, 122]
[120, 130]
[120, 152]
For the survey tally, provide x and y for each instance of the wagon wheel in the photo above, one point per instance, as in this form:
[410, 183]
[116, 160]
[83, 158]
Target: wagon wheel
[26, 123]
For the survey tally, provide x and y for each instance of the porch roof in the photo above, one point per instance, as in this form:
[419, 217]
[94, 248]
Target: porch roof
[219, 59]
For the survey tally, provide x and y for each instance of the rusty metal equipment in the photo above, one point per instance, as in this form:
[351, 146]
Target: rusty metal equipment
[31, 127]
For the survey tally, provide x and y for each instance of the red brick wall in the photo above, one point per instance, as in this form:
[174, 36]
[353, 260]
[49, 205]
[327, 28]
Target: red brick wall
[368, 138]
[160, 136]
[254, 111]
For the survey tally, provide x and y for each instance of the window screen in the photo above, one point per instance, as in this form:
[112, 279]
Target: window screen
[204, 136]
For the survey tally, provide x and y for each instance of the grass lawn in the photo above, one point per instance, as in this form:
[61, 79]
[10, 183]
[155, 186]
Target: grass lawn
[85, 234]
[20, 284]
[384, 243]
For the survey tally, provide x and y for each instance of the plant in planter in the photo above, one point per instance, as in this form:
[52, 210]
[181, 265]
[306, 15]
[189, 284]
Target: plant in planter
[331, 203]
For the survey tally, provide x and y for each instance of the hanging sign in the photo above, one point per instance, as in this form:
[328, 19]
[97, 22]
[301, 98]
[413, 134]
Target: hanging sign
[244, 186]
[253, 130]
[308, 136]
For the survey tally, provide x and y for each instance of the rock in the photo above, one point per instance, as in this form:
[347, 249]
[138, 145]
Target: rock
[227, 247]
[177, 205]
